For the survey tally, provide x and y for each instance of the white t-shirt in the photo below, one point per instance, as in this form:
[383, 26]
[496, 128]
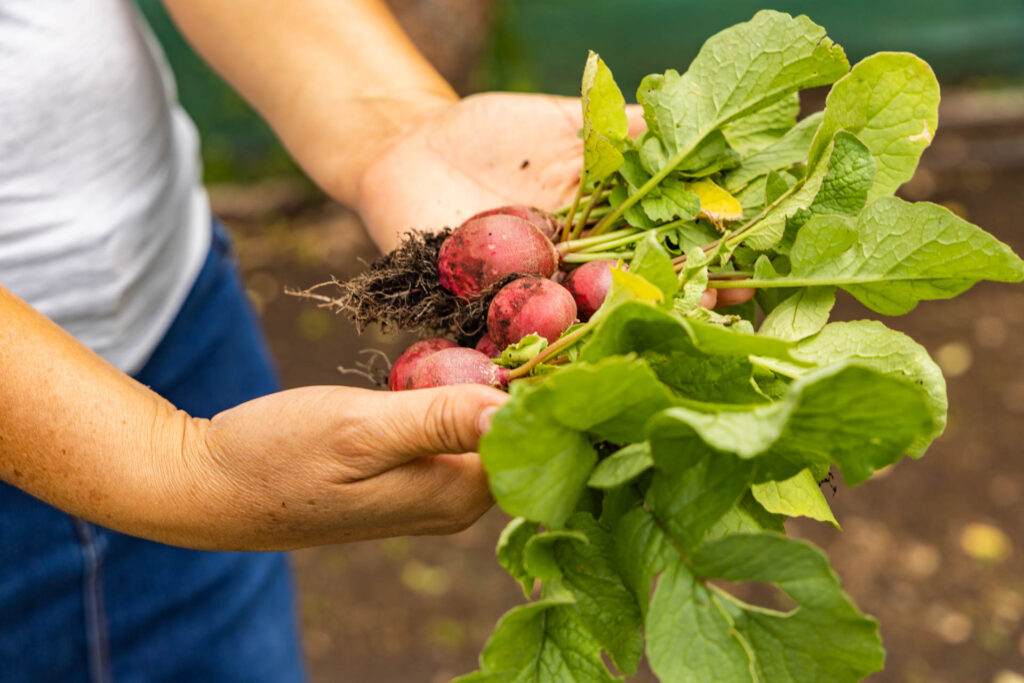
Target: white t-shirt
[104, 224]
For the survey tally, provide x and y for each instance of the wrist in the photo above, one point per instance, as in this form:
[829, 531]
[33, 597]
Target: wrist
[382, 121]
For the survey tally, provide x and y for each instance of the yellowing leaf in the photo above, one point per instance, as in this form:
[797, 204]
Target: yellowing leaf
[716, 204]
[636, 285]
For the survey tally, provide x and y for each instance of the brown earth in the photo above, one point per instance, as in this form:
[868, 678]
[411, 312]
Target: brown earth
[911, 553]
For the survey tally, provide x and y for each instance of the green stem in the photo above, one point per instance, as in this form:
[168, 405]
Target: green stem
[597, 256]
[572, 210]
[551, 351]
[590, 207]
[586, 242]
[729, 274]
[676, 159]
[628, 239]
[785, 282]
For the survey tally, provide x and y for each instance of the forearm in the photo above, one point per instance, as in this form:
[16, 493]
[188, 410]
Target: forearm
[336, 79]
[89, 440]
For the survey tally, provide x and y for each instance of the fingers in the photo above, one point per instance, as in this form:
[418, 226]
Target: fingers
[637, 124]
[709, 298]
[440, 494]
[410, 424]
[731, 297]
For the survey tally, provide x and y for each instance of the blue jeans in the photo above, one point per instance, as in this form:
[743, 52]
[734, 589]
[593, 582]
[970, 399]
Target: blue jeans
[79, 602]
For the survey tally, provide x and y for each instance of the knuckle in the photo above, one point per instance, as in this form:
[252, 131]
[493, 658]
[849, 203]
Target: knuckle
[443, 429]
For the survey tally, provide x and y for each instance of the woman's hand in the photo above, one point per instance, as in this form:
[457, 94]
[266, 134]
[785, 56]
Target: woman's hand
[301, 467]
[334, 464]
[478, 153]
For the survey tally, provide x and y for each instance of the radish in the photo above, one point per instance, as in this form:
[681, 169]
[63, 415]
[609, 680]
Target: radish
[457, 366]
[483, 251]
[403, 368]
[527, 306]
[487, 347]
[544, 222]
[589, 285]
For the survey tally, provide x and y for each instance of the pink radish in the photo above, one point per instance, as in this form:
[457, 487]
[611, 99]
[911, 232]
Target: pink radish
[589, 285]
[487, 347]
[544, 222]
[403, 368]
[482, 251]
[457, 366]
[530, 306]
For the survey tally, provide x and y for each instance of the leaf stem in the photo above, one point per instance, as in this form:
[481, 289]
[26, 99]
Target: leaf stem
[597, 241]
[551, 351]
[594, 196]
[572, 210]
[589, 256]
[676, 159]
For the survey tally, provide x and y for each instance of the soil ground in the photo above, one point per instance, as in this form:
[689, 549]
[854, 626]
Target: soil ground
[932, 548]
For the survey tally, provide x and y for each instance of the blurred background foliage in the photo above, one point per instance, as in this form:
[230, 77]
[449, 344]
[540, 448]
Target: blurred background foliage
[540, 45]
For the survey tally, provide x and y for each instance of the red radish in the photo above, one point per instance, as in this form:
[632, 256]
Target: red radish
[544, 222]
[482, 251]
[457, 366]
[530, 306]
[403, 368]
[487, 347]
[589, 285]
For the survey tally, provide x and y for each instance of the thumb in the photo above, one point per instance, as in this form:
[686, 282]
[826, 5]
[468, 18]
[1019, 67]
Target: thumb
[441, 420]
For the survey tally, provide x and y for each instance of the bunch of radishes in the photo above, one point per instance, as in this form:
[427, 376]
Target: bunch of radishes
[488, 248]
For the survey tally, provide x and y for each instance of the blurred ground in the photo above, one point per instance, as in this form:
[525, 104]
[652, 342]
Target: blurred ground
[932, 548]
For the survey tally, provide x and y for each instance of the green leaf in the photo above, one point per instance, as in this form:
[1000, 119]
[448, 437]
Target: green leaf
[537, 454]
[636, 327]
[536, 466]
[798, 496]
[510, 548]
[606, 606]
[851, 171]
[693, 485]
[605, 124]
[775, 185]
[641, 552]
[845, 414]
[800, 315]
[764, 127]
[539, 553]
[824, 639]
[543, 641]
[526, 348]
[899, 253]
[873, 344]
[652, 262]
[792, 148]
[622, 466]
[711, 155]
[689, 637]
[718, 340]
[714, 379]
[846, 159]
[670, 200]
[747, 516]
[738, 71]
[693, 280]
[890, 102]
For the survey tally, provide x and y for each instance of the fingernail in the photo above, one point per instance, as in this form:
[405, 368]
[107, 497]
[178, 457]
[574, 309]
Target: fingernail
[484, 421]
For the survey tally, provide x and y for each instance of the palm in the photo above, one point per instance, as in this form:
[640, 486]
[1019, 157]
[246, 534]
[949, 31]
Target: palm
[483, 152]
